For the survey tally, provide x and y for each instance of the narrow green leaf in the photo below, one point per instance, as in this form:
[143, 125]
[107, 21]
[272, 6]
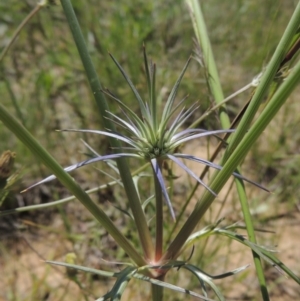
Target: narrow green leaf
[261, 251]
[143, 108]
[29, 141]
[169, 105]
[134, 275]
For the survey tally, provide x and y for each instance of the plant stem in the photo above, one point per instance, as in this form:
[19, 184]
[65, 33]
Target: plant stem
[216, 90]
[37, 150]
[237, 156]
[209, 61]
[132, 196]
[14, 100]
[242, 149]
[158, 291]
[219, 104]
[265, 82]
[251, 236]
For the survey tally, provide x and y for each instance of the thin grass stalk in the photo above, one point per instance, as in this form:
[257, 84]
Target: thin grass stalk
[219, 104]
[240, 187]
[208, 57]
[132, 196]
[251, 236]
[216, 90]
[237, 156]
[14, 100]
[35, 10]
[290, 35]
[37, 150]
[211, 70]
[276, 60]
[265, 82]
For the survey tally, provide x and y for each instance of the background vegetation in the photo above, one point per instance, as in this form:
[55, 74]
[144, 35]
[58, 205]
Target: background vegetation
[43, 83]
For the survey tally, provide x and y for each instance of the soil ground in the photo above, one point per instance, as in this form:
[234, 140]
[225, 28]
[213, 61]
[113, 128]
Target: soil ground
[25, 276]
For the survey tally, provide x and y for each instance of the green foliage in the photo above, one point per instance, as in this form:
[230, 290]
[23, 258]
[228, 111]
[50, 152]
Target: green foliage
[44, 85]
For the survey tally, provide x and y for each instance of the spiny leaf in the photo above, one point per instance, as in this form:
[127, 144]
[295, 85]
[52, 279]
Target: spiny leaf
[159, 176]
[133, 115]
[80, 164]
[164, 122]
[130, 272]
[184, 138]
[147, 71]
[173, 93]
[143, 109]
[192, 174]
[218, 167]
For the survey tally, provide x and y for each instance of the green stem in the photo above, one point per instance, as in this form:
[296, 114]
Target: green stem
[251, 235]
[216, 89]
[212, 79]
[265, 82]
[37, 150]
[14, 101]
[234, 160]
[158, 291]
[208, 57]
[219, 104]
[132, 196]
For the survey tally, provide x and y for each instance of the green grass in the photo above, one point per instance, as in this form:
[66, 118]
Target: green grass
[43, 84]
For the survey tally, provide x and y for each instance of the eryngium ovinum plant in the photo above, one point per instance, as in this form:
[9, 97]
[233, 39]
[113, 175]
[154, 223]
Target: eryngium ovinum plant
[154, 138]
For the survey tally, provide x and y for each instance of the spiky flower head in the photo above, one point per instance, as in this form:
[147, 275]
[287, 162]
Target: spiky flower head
[153, 137]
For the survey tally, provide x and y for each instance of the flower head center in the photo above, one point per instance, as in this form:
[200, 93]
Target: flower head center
[154, 151]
